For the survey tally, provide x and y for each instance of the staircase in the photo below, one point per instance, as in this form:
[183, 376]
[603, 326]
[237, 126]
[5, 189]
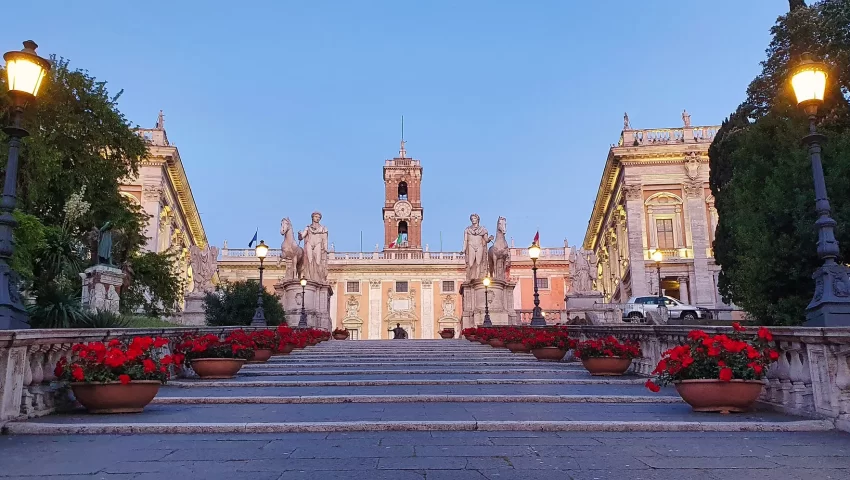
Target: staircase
[411, 385]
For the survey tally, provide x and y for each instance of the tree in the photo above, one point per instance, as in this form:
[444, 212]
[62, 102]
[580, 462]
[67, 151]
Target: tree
[761, 174]
[153, 286]
[234, 303]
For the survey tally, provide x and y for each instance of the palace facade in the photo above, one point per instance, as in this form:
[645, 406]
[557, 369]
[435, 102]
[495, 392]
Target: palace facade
[654, 197]
[404, 283]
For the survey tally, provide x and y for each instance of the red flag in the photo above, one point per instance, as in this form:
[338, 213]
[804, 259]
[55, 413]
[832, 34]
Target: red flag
[536, 238]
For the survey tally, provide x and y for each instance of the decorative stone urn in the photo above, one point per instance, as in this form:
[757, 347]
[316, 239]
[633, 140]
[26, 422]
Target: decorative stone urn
[549, 354]
[115, 397]
[606, 366]
[517, 347]
[217, 368]
[712, 395]
[497, 343]
[286, 350]
[341, 336]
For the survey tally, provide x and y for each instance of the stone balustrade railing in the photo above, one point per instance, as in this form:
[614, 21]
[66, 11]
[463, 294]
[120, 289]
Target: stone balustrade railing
[516, 253]
[28, 358]
[811, 378]
[667, 136]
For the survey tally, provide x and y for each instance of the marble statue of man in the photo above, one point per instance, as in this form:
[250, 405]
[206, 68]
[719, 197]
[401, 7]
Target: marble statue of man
[204, 264]
[475, 240]
[315, 238]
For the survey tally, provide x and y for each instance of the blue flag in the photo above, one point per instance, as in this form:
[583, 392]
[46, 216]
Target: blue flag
[253, 240]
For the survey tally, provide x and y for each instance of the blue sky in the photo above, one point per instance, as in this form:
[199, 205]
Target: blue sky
[280, 108]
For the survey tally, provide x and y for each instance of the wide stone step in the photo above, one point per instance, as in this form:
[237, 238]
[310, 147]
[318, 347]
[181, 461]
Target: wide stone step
[401, 364]
[233, 389]
[402, 371]
[238, 382]
[393, 399]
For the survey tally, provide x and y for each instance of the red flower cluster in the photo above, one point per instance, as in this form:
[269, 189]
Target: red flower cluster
[448, 330]
[555, 337]
[299, 338]
[469, 332]
[140, 358]
[607, 347]
[340, 331]
[724, 357]
[237, 344]
[263, 339]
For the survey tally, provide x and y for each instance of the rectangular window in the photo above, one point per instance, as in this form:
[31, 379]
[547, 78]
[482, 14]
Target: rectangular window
[352, 287]
[401, 287]
[543, 284]
[664, 229]
[448, 286]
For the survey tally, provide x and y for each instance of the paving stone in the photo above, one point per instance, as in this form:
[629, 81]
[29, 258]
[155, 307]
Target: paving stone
[717, 462]
[473, 451]
[354, 475]
[454, 475]
[422, 463]
[324, 451]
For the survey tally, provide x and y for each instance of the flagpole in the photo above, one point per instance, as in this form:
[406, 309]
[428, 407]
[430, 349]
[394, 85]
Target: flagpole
[441, 241]
[361, 241]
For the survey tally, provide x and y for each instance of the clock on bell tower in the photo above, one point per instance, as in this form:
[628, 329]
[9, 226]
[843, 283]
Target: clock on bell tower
[402, 210]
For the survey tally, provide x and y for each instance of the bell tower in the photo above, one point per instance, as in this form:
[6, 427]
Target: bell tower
[402, 203]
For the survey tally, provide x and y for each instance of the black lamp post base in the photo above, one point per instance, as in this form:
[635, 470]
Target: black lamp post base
[302, 323]
[259, 319]
[830, 306]
[13, 315]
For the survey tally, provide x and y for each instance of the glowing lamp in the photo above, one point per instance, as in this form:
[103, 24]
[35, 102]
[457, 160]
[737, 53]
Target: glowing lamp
[534, 251]
[303, 282]
[809, 83]
[486, 281]
[25, 70]
[657, 256]
[262, 249]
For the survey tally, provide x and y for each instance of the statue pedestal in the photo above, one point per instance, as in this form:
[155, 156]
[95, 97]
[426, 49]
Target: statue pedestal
[193, 311]
[317, 302]
[500, 296]
[578, 304]
[101, 288]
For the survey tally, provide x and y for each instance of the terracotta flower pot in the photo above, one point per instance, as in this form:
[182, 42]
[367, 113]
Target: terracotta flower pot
[517, 347]
[711, 395]
[447, 335]
[115, 397]
[549, 354]
[261, 355]
[497, 343]
[483, 341]
[472, 338]
[217, 368]
[606, 366]
[286, 350]
[341, 336]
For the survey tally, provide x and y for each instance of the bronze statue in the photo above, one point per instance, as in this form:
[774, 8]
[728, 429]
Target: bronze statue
[399, 333]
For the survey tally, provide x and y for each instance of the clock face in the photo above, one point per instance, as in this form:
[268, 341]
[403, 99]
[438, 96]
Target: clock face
[402, 209]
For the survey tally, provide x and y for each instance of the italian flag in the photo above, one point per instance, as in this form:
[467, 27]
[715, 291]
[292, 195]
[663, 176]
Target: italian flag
[396, 241]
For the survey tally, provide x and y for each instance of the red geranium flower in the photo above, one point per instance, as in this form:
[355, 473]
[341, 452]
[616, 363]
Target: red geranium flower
[726, 374]
[124, 379]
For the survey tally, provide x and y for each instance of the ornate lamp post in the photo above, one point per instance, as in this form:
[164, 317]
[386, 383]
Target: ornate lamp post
[302, 323]
[657, 257]
[25, 71]
[830, 306]
[259, 319]
[487, 322]
[537, 319]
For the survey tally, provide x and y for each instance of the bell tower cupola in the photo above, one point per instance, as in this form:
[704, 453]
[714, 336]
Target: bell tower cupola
[402, 210]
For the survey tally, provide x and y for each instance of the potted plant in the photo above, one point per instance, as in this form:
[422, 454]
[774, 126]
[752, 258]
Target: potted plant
[340, 334]
[447, 333]
[514, 337]
[469, 333]
[549, 346]
[117, 376]
[264, 343]
[285, 340]
[483, 335]
[496, 340]
[606, 356]
[213, 358]
[717, 373]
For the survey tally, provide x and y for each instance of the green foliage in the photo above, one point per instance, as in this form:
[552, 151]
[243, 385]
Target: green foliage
[155, 287]
[235, 303]
[57, 306]
[140, 321]
[105, 319]
[761, 175]
[29, 239]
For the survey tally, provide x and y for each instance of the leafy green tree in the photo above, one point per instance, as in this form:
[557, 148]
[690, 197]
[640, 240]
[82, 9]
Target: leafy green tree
[154, 286]
[234, 303]
[761, 174]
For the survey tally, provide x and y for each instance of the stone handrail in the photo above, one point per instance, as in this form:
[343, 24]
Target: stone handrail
[667, 136]
[516, 253]
[811, 378]
[28, 357]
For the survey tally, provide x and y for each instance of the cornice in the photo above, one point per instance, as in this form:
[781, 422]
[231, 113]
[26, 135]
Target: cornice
[180, 184]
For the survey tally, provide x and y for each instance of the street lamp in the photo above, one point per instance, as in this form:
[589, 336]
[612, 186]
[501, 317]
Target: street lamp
[302, 323]
[487, 322]
[25, 72]
[830, 305]
[537, 319]
[657, 256]
[259, 319]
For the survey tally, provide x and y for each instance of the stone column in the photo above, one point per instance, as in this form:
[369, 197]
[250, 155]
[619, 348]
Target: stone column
[374, 309]
[683, 289]
[151, 204]
[634, 222]
[333, 309]
[703, 291]
[427, 309]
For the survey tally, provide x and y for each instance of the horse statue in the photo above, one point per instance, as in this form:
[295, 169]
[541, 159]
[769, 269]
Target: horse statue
[290, 252]
[500, 254]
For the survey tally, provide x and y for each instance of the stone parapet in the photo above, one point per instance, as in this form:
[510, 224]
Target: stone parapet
[28, 387]
[811, 378]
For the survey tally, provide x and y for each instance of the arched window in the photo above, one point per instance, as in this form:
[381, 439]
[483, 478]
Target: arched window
[402, 191]
[402, 232]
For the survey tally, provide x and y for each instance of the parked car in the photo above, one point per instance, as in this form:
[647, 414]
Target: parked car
[635, 309]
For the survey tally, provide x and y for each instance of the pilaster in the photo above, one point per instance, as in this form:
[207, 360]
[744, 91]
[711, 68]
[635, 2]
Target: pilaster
[427, 315]
[374, 309]
[703, 291]
[634, 219]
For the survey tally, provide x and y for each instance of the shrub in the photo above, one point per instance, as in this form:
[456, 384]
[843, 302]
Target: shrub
[234, 303]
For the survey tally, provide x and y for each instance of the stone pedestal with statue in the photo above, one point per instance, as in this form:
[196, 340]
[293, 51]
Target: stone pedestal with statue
[493, 263]
[193, 309]
[102, 288]
[315, 298]
[582, 297]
